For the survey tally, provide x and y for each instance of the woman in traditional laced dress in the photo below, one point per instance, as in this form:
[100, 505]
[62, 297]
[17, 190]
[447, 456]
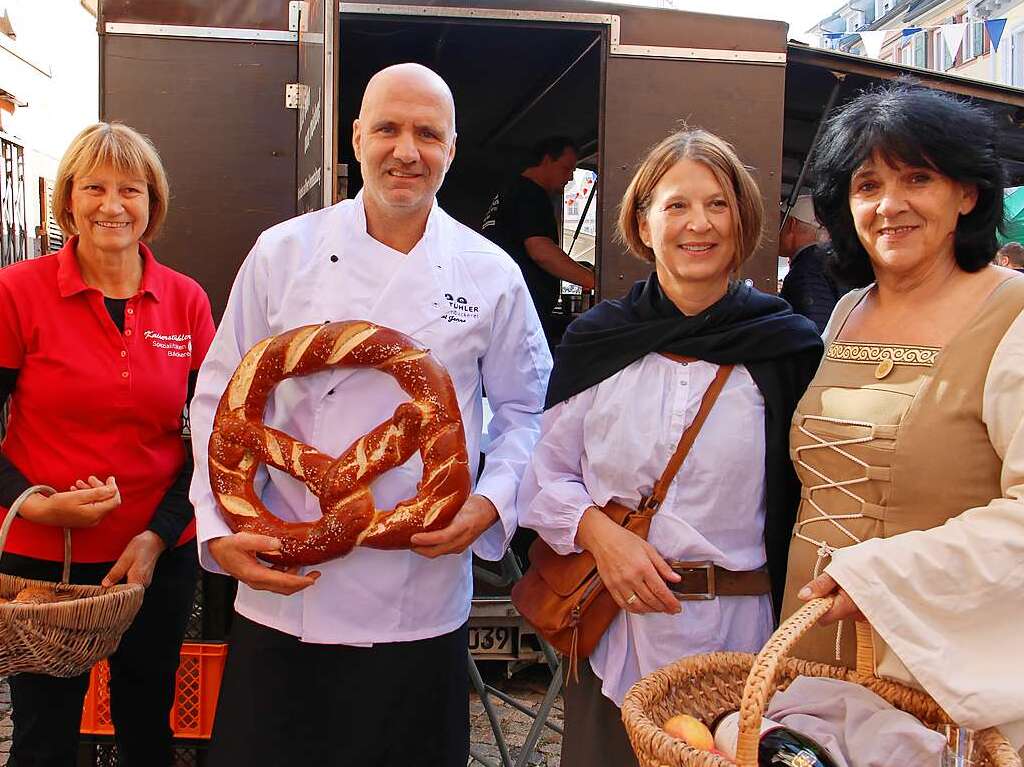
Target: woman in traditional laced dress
[909, 442]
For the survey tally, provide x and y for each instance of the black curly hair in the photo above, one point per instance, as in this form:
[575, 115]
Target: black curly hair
[917, 126]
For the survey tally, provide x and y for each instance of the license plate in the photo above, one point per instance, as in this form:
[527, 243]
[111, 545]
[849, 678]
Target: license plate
[494, 640]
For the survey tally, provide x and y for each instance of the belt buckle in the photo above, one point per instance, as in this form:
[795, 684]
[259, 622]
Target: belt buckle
[708, 568]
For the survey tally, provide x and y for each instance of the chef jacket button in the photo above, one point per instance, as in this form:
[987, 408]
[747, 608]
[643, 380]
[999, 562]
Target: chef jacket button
[334, 259]
[124, 374]
[128, 331]
[330, 392]
[124, 353]
[130, 310]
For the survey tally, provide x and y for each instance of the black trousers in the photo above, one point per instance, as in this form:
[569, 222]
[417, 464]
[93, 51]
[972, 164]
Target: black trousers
[47, 710]
[286, 703]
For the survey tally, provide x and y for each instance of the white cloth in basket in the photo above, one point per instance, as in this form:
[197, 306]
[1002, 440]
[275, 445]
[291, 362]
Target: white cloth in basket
[859, 728]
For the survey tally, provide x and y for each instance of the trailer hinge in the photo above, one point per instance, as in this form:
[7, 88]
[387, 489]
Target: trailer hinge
[298, 13]
[295, 95]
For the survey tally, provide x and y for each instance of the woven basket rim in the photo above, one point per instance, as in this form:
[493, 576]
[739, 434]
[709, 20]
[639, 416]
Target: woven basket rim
[656, 685]
[120, 597]
[82, 591]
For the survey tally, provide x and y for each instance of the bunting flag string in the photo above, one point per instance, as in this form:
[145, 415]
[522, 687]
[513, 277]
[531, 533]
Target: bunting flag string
[873, 41]
[953, 38]
[995, 29]
[952, 35]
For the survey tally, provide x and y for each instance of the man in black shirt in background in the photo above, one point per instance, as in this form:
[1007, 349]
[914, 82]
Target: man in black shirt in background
[521, 221]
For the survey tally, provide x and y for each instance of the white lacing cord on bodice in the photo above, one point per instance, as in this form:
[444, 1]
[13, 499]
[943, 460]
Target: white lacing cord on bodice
[824, 550]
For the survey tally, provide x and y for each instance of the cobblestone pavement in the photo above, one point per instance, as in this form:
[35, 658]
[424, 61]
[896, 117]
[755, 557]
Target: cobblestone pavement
[528, 686]
[5, 721]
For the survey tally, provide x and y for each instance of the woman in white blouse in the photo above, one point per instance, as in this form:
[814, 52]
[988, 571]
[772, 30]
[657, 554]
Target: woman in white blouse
[616, 408]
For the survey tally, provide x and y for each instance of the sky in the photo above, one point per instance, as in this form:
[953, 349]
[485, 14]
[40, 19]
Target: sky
[799, 14]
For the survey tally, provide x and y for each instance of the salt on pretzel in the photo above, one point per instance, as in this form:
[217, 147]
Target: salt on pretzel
[430, 423]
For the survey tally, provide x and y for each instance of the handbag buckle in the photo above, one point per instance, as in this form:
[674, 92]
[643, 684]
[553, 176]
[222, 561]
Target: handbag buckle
[686, 592]
[648, 505]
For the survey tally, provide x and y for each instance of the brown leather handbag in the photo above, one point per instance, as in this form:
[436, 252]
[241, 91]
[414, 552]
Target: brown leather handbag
[562, 596]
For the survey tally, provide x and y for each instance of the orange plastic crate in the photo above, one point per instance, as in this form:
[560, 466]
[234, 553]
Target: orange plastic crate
[195, 698]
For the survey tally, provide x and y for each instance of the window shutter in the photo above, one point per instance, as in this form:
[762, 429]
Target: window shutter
[51, 235]
[13, 235]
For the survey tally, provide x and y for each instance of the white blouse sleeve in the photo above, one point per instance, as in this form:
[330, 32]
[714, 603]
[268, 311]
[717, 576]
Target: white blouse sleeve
[552, 496]
[949, 601]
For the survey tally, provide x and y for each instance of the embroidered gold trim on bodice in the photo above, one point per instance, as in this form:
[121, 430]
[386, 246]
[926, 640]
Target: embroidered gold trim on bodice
[872, 354]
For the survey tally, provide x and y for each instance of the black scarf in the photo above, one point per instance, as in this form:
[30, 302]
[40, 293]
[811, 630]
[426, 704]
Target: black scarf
[744, 326]
[780, 350]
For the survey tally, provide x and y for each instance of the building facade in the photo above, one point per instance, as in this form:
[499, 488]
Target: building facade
[979, 39]
[49, 80]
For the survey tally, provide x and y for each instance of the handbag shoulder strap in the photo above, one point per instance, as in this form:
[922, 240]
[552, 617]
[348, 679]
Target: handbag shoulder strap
[688, 437]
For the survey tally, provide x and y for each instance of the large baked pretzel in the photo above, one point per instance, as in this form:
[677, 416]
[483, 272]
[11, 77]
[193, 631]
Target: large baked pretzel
[430, 423]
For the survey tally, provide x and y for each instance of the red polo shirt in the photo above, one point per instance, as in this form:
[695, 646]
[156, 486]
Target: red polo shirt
[90, 399]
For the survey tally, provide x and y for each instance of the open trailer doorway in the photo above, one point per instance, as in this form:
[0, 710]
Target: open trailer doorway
[515, 82]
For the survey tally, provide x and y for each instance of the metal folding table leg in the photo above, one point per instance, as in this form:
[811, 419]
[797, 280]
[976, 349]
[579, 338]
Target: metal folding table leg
[539, 715]
[485, 701]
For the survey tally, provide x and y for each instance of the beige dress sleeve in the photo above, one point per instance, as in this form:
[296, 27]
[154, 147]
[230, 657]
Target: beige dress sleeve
[949, 601]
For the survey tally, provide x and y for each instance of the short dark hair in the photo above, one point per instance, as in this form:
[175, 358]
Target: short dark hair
[553, 147]
[1014, 253]
[917, 126]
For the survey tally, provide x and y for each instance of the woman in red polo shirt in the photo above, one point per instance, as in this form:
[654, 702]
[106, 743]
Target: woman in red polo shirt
[99, 348]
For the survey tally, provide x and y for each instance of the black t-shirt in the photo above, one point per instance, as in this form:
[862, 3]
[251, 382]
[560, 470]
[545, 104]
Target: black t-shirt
[521, 210]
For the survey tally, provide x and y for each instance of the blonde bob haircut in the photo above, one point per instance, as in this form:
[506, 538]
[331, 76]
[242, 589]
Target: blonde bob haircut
[124, 149]
[741, 191]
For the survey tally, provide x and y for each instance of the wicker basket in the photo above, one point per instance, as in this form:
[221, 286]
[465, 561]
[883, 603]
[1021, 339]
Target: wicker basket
[60, 638]
[706, 686]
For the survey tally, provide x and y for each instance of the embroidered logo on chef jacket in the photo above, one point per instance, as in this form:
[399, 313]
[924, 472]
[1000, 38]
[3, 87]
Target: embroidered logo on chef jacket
[460, 310]
[176, 345]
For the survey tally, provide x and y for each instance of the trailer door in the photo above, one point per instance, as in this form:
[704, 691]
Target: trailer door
[313, 98]
[723, 74]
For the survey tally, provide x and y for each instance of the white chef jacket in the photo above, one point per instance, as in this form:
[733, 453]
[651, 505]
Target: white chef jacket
[611, 443]
[457, 294]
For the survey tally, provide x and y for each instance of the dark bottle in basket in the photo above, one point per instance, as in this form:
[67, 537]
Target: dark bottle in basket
[779, 746]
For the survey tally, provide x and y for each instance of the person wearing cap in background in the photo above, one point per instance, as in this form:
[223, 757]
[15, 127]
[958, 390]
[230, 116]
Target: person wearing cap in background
[1011, 255]
[807, 287]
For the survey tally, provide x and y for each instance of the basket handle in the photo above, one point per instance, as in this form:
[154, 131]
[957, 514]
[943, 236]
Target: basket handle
[12, 512]
[761, 682]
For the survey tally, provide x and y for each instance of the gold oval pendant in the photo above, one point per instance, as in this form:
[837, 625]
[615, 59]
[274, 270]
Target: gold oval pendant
[884, 368]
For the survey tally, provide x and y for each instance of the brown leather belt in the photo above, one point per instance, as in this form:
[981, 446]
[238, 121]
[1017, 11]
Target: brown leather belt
[706, 580]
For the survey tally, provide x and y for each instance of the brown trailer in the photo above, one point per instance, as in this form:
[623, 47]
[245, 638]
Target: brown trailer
[212, 83]
[208, 82]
